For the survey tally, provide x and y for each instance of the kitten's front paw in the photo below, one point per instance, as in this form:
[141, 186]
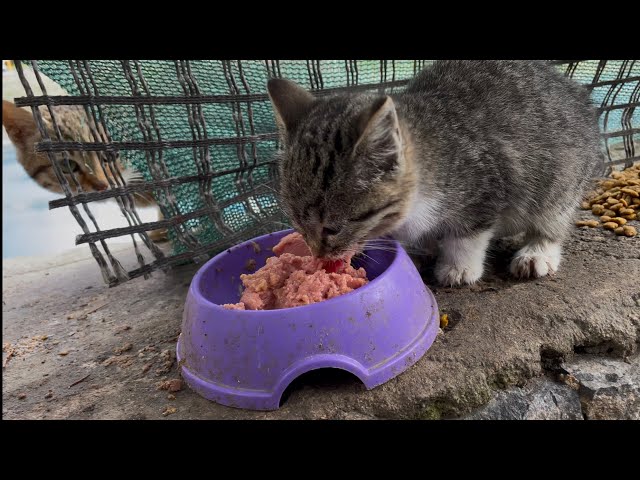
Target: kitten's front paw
[452, 275]
[534, 262]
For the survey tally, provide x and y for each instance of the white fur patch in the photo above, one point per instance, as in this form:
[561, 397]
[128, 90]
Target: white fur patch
[461, 260]
[423, 217]
[536, 260]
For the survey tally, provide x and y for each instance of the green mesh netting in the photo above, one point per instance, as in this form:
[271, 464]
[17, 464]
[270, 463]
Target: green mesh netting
[255, 118]
[226, 120]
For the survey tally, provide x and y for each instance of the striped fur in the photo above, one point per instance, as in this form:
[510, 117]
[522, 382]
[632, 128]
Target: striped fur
[328, 145]
[469, 151]
[86, 167]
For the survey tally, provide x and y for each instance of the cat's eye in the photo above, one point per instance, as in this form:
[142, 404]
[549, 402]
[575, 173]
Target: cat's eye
[330, 231]
[71, 167]
[367, 215]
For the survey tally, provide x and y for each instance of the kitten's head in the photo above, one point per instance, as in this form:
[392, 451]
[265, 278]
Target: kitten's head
[346, 175]
[24, 134]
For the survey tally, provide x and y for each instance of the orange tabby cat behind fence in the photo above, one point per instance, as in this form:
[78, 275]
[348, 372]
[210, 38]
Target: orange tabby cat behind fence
[85, 166]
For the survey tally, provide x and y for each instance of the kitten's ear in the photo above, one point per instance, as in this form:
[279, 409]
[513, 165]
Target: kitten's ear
[19, 123]
[380, 142]
[290, 102]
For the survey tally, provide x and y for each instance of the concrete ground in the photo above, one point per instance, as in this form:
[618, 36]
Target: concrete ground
[561, 347]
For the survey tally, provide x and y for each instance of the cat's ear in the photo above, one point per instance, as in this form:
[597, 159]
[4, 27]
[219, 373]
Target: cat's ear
[19, 123]
[380, 142]
[290, 102]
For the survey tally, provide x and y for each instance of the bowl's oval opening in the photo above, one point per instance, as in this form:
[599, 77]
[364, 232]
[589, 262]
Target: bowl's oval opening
[218, 281]
[325, 377]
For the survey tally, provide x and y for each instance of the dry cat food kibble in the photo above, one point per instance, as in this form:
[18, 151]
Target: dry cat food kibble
[294, 277]
[616, 201]
[589, 223]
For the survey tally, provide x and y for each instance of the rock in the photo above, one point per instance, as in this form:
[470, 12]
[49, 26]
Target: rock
[124, 348]
[540, 399]
[121, 328]
[174, 385]
[593, 387]
[609, 388]
[353, 416]
[169, 411]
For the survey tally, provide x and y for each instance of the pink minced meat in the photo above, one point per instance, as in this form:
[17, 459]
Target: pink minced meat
[294, 278]
[294, 244]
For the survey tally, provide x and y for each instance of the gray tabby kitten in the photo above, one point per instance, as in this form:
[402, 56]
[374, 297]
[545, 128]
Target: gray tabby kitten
[471, 150]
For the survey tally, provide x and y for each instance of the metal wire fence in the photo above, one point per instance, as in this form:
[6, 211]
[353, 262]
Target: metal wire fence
[202, 136]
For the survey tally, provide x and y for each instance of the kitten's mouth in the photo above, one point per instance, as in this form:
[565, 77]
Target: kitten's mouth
[335, 256]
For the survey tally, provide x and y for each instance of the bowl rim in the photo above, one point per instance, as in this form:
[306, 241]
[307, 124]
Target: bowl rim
[201, 299]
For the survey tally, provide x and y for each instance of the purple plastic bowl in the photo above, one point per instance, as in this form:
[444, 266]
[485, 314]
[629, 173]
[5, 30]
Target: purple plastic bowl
[246, 359]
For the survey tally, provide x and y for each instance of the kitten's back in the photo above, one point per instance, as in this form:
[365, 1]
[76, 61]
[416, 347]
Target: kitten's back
[504, 135]
[496, 97]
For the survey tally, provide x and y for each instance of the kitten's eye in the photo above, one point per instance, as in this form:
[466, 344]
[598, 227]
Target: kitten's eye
[72, 167]
[330, 231]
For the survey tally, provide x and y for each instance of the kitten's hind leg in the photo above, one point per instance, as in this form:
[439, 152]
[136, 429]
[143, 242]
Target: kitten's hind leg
[461, 259]
[542, 250]
[539, 257]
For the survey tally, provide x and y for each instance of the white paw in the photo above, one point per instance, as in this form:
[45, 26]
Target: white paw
[462, 259]
[536, 261]
[452, 275]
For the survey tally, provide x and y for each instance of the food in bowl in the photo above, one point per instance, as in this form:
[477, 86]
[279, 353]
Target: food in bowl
[294, 278]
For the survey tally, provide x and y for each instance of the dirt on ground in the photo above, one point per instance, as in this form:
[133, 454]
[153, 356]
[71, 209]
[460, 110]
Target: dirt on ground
[76, 349]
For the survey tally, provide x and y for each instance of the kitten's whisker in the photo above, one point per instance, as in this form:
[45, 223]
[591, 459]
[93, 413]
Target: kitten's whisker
[383, 244]
[369, 257]
[382, 249]
[393, 243]
[386, 240]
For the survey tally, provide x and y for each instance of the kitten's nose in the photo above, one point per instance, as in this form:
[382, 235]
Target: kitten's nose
[98, 185]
